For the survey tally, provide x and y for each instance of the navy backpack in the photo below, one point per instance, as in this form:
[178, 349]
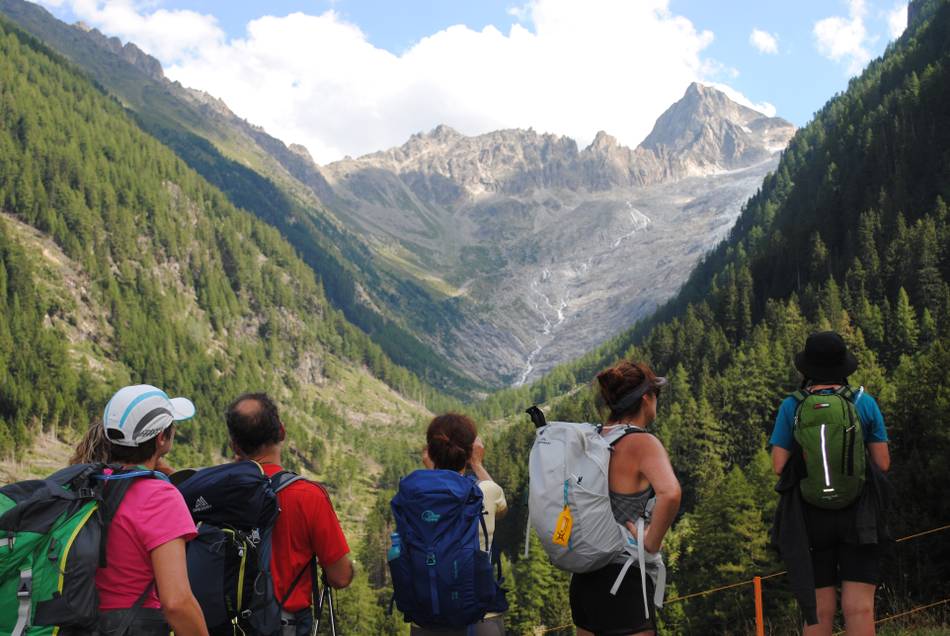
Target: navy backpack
[235, 507]
[441, 576]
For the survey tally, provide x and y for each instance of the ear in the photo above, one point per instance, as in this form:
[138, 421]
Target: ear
[283, 432]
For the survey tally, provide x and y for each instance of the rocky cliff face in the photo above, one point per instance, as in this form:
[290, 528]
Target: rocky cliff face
[128, 52]
[557, 248]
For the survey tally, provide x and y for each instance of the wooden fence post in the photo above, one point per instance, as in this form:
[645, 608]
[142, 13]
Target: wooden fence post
[759, 618]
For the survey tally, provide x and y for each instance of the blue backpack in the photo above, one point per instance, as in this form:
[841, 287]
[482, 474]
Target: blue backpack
[441, 576]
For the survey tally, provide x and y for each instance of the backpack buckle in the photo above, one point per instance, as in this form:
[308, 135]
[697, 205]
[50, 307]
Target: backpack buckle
[245, 614]
[85, 492]
[430, 559]
[25, 589]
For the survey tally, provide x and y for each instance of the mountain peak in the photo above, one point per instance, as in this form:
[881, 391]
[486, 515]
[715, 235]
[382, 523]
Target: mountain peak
[706, 131]
[442, 132]
[603, 142]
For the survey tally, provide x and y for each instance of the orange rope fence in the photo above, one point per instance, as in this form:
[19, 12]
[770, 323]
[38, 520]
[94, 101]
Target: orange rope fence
[751, 581]
[901, 614]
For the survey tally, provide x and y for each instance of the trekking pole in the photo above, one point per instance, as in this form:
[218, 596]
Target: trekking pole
[326, 598]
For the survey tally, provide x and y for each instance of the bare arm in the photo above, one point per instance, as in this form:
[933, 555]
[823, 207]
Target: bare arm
[880, 455]
[179, 606]
[655, 466]
[779, 459]
[340, 572]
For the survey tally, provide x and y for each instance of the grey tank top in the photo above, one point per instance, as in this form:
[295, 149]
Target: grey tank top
[630, 507]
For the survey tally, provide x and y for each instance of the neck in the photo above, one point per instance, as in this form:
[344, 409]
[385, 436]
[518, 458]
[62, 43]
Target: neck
[266, 455]
[638, 420]
[148, 464]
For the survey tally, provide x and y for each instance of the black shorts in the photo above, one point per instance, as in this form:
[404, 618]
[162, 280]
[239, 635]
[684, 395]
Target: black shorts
[593, 607]
[835, 555]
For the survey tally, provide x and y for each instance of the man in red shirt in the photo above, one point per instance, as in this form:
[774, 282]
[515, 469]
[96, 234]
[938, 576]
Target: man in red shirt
[307, 526]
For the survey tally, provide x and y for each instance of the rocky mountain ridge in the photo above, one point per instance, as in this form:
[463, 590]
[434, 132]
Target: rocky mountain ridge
[558, 247]
[703, 133]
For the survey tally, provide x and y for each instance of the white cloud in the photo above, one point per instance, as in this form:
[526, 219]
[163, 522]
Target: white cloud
[765, 108]
[897, 20]
[763, 41]
[566, 67]
[845, 39]
[169, 35]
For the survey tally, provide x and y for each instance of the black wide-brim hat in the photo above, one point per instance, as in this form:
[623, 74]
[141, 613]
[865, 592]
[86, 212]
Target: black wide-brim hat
[826, 357]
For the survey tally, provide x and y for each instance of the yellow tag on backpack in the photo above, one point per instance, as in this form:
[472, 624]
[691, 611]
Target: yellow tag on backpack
[562, 531]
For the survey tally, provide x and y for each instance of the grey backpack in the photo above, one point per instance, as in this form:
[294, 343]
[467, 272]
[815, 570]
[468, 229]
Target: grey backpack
[569, 505]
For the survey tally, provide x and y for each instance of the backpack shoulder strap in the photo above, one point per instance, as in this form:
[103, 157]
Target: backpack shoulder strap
[850, 393]
[114, 488]
[616, 435]
[800, 395]
[282, 479]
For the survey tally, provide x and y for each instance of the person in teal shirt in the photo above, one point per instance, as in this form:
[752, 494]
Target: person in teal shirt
[825, 365]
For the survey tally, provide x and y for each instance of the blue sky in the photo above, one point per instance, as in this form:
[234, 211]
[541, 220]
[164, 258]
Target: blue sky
[369, 83]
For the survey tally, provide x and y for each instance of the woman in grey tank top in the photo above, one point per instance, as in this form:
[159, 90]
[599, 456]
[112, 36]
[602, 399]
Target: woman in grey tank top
[639, 471]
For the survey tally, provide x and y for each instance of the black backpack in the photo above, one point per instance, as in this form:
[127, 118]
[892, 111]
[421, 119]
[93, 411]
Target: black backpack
[234, 507]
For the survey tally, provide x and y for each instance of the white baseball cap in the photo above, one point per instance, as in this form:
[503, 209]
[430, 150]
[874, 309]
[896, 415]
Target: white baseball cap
[136, 414]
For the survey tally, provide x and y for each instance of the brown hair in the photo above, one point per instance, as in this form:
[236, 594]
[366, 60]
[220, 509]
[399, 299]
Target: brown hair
[136, 454]
[94, 446]
[619, 381]
[449, 439]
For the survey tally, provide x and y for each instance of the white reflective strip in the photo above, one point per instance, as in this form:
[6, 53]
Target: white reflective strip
[824, 457]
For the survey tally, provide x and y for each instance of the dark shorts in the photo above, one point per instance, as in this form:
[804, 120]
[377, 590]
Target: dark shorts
[835, 557]
[494, 626]
[593, 607]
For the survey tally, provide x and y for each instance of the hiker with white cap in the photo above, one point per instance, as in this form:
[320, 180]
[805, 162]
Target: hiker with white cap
[144, 587]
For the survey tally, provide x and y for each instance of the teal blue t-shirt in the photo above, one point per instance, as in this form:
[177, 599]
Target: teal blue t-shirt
[872, 421]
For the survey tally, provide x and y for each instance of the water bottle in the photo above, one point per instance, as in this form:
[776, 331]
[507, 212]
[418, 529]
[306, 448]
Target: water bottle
[395, 549]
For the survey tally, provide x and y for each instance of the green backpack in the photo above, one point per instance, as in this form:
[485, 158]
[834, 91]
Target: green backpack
[52, 540]
[828, 429]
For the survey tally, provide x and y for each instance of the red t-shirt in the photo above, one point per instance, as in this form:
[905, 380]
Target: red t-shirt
[306, 527]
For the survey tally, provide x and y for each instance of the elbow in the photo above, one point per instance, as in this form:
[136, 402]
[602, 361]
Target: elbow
[177, 607]
[672, 495]
[340, 577]
[884, 464]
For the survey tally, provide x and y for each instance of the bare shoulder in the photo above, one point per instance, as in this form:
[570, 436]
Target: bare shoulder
[640, 443]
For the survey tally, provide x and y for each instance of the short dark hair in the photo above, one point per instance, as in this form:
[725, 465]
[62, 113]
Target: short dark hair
[253, 428]
[135, 454]
[449, 440]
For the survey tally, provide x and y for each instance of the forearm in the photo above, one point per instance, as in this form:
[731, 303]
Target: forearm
[480, 473]
[664, 512]
[185, 618]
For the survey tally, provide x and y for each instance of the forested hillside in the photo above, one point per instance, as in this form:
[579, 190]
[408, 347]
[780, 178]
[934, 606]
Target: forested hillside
[120, 264]
[851, 232]
[260, 174]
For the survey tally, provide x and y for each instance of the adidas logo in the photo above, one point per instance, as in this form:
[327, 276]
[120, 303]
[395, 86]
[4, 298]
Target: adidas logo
[201, 505]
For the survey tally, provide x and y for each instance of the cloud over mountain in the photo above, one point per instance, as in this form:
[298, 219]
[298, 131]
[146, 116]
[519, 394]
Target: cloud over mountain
[568, 68]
